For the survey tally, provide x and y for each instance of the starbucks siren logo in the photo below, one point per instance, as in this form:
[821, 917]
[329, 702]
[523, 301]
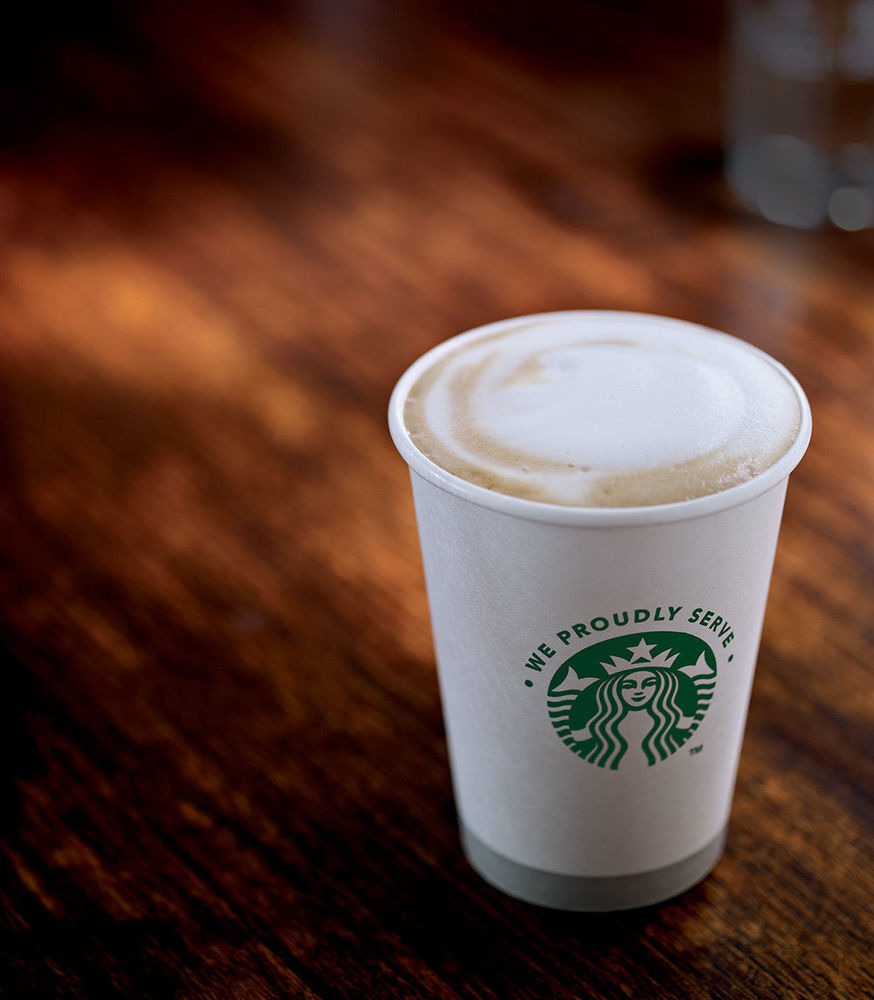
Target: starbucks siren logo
[649, 690]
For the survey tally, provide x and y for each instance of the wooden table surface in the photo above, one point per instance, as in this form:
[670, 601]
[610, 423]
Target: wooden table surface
[226, 229]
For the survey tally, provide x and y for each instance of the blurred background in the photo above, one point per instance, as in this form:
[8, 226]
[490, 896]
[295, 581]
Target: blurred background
[225, 231]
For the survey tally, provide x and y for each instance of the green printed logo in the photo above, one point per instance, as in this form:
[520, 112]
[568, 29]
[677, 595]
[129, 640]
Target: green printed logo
[645, 692]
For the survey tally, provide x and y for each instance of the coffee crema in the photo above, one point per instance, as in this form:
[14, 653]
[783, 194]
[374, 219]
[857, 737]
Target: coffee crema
[602, 410]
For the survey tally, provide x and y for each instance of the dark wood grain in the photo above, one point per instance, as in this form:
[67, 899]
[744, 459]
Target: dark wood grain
[226, 230]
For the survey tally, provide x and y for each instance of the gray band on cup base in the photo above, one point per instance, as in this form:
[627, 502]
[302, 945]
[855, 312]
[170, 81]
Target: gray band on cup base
[584, 893]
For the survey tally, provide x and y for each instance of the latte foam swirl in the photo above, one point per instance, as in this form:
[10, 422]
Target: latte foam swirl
[602, 410]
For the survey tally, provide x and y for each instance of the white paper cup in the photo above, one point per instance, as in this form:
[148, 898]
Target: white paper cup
[569, 794]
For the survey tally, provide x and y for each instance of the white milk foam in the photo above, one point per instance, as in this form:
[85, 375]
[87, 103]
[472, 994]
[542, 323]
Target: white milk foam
[603, 410]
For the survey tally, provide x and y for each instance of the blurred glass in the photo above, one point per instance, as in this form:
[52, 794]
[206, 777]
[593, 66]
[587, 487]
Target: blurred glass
[800, 110]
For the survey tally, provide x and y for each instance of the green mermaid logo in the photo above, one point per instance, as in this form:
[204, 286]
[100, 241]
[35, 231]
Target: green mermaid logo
[648, 690]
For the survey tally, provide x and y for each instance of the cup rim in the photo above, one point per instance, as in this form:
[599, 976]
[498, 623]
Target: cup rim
[536, 510]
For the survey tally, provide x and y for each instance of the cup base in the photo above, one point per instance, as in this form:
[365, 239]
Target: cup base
[590, 894]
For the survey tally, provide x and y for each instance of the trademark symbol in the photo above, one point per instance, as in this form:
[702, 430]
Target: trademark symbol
[698, 749]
